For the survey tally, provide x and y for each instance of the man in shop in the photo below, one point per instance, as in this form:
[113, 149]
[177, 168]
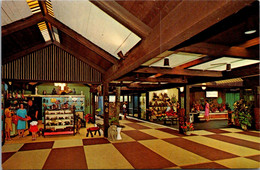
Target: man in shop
[32, 112]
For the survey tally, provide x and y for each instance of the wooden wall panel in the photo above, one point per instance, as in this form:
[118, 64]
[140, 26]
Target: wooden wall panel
[50, 64]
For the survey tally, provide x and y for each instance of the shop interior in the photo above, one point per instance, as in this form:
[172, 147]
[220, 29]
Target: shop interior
[161, 74]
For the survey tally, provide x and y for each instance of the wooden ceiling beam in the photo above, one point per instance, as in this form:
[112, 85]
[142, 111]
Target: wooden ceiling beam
[242, 72]
[25, 52]
[169, 80]
[195, 62]
[22, 24]
[78, 56]
[183, 22]
[44, 10]
[216, 50]
[250, 43]
[175, 71]
[44, 13]
[123, 16]
[59, 25]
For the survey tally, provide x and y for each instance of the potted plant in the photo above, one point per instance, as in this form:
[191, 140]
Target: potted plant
[187, 128]
[242, 111]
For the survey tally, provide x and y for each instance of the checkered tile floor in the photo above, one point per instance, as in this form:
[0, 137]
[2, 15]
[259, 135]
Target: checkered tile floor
[144, 146]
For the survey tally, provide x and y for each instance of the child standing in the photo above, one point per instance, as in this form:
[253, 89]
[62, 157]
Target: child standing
[34, 129]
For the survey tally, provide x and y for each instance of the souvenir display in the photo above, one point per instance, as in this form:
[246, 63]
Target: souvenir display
[55, 122]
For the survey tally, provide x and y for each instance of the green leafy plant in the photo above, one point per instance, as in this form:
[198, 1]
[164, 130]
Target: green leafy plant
[243, 111]
[114, 121]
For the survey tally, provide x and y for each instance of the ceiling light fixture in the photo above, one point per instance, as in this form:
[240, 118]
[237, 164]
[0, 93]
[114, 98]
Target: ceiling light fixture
[181, 89]
[203, 86]
[166, 62]
[250, 32]
[228, 67]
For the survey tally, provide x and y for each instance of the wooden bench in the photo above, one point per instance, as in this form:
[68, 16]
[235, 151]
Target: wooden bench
[91, 129]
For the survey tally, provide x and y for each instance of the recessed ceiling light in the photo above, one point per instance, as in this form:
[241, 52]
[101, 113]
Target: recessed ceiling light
[250, 32]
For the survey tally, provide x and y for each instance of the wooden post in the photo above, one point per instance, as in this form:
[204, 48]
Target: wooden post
[257, 109]
[93, 108]
[147, 106]
[187, 102]
[106, 107]
[118, 91]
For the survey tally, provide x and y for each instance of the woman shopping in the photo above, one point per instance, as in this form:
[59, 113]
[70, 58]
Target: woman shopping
[21, 126]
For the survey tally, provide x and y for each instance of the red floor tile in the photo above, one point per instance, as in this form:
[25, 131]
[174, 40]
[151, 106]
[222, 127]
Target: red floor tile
[95, 141]
[138, 135]
[37, 145]
[66, 158]
[256, 157]
[6, 156]
[140, 157]
[240, 142]
[199, 149]
[250, 133]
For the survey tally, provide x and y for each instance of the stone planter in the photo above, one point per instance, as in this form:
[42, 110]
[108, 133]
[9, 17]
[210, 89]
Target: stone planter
[118, 133]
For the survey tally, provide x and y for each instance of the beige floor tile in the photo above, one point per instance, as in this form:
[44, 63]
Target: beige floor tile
[67, 143]
[224, 146]
[244, 137]
[125, 138]
[151, 125]
[11, 147]
[158, 134]
[176, 167]
[105, 156]
[173, 153]
[202, 132]
[27, 159]
[232, 129]
[128, 128]
[239, 163]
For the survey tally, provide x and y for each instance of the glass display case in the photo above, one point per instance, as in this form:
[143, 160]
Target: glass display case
[59, 122]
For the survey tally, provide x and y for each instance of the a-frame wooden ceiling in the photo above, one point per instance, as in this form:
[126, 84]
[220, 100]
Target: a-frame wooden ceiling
[212, 28]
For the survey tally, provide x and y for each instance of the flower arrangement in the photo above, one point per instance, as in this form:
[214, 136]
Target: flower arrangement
[88, 118]
[187, 127]
[243, 111]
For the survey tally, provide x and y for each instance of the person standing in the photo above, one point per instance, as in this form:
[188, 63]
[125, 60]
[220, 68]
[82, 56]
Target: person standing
[206, 110]
[21, 126]
[124, 110]
[32, 112]
[8, 121]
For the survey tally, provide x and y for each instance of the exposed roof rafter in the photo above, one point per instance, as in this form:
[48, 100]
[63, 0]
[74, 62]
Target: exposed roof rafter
[22, 24]
[216, 50]
[163, 36]
[25, 52]
[119, 13]
[59, 25]
[175, 71]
